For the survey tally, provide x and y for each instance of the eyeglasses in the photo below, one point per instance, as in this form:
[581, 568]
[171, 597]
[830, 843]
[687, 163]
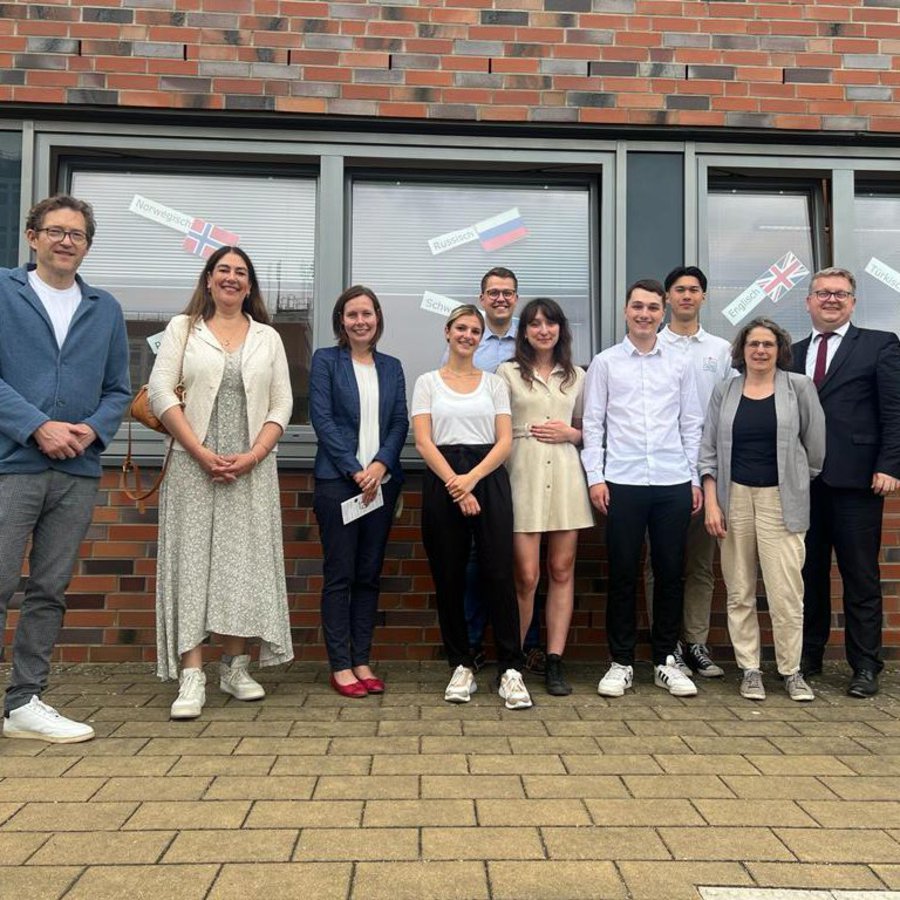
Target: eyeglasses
[496, 294]
[827, 295]
[683, 289]
[57, 235]
[761, 345]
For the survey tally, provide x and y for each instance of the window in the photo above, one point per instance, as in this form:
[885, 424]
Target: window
[148, 251]
[760, 258]
[10, 176]
[877, 263]
[424, 247]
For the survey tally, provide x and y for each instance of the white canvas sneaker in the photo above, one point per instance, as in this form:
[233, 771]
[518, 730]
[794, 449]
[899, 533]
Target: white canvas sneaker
[237, 681]
[513, 690]
[616, 681]
[670, 677]
[37, 721]
[191, 695]
[461, 687]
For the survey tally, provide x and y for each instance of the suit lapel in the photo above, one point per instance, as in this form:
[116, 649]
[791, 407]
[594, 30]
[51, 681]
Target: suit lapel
[348, 383]
[798, 360]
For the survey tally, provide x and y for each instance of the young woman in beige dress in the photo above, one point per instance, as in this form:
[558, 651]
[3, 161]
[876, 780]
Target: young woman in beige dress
[549, 490]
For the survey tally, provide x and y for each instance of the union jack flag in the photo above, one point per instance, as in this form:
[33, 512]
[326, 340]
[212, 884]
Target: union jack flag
[204, 238]
[782, 276]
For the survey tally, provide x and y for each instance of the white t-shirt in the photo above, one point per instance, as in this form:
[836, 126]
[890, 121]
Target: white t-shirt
[367, 383]
[461, 418]
[60, 305]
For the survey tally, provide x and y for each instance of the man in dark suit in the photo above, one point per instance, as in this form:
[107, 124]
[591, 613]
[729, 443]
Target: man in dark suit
[857, 372]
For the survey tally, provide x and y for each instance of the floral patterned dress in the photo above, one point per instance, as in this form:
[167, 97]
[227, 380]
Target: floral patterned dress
[220, 563]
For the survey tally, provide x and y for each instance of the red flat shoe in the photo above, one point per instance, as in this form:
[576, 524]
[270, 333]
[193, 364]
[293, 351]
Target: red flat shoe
[355, 689]
[372, 685]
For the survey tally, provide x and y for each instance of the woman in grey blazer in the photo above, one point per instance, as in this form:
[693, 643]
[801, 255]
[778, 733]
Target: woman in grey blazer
[763, 442]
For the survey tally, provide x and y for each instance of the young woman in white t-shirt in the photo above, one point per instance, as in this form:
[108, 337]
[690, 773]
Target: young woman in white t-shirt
[463, 429]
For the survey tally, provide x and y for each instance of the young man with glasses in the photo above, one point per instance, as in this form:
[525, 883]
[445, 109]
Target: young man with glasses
[857, 373]
[64, 387]
[710, 358]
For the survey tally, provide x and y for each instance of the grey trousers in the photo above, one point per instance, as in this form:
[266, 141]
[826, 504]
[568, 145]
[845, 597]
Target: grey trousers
[55, 510]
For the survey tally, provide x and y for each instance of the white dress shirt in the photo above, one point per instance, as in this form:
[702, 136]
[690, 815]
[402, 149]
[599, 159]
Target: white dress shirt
[642, 418]
[710, 356]
[831, 348]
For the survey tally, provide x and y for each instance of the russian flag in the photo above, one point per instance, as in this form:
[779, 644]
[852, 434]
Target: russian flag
[204, 238]
[500, 230]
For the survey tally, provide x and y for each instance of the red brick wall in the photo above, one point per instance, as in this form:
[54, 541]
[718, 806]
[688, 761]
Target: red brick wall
[831, 65]
[111, 598]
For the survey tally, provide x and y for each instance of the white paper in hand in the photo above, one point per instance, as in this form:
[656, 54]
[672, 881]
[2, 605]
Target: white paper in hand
[353, 508]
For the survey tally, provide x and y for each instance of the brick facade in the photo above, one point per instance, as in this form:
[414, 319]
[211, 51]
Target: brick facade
[111, 599]
[810, 66]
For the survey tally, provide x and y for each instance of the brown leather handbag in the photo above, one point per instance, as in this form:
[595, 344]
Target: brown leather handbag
[141, 412]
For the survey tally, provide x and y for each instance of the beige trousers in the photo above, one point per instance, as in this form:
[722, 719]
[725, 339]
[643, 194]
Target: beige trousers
[699, 582]
[756, 531]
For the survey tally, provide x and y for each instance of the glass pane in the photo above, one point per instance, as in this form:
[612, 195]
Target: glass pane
[10, 189]
[541, 233]
[148, 251]
[877, 262]
[760, 260]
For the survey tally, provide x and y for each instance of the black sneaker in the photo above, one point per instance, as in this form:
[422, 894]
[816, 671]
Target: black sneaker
[479, 658]
[555, 677]
[536, 661]
[698, 658]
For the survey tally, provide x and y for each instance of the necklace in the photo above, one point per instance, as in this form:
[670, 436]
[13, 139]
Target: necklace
[227, 337]
[449, 373]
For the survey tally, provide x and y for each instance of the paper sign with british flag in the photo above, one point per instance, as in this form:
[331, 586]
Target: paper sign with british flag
[773, 284]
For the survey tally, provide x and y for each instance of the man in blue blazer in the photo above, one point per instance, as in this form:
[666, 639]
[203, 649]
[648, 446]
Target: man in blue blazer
[857, 372]
[64, 387]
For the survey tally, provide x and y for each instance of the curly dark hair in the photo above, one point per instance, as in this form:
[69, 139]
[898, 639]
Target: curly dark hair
[35, 218]
[562, 352]
[782, 338]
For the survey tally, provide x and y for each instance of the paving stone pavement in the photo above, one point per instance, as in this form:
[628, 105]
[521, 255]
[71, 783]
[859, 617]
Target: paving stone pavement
[405, 796]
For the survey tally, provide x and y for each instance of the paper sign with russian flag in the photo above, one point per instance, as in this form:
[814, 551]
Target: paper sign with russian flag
[204, 238]
[501, 230]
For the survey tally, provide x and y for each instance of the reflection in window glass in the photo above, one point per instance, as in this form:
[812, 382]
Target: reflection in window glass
[541, 233]
[148, 251]
[10, 181]
[760, 260]
[877, 262]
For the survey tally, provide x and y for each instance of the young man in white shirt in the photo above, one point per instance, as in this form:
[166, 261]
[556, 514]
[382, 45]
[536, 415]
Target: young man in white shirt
[710, 358]
[642, 425]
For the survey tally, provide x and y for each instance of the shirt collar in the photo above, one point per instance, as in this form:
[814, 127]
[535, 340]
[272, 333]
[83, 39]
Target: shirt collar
[510, 333]
[631, 350]
[839, 331]
[673, 338]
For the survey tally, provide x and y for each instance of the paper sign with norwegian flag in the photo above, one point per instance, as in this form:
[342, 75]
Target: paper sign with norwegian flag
[773, 284]
[204, 238]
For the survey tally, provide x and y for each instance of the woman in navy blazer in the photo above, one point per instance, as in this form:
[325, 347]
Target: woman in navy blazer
[358, 411]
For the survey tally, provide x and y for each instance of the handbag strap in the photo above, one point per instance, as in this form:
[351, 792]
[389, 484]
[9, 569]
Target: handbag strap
[130, 466]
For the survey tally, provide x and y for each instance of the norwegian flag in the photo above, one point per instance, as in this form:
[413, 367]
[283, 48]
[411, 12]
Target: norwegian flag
[782, 276]
[204, 238]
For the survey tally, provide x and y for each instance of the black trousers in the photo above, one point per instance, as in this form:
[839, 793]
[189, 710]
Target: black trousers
[352, 559]
[849, 521]
[448, 535]
[663, 512]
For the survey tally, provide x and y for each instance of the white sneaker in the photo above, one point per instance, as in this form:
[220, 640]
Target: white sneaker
[461, 687]
[38, 722]
[191, 695]
[616, 681]
[513, 690]
[236, 680]
[670, 677]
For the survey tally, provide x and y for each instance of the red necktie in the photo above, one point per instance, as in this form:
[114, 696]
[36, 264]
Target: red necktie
[821, 358]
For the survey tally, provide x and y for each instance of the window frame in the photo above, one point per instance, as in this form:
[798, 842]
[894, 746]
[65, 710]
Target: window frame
[334, 156]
